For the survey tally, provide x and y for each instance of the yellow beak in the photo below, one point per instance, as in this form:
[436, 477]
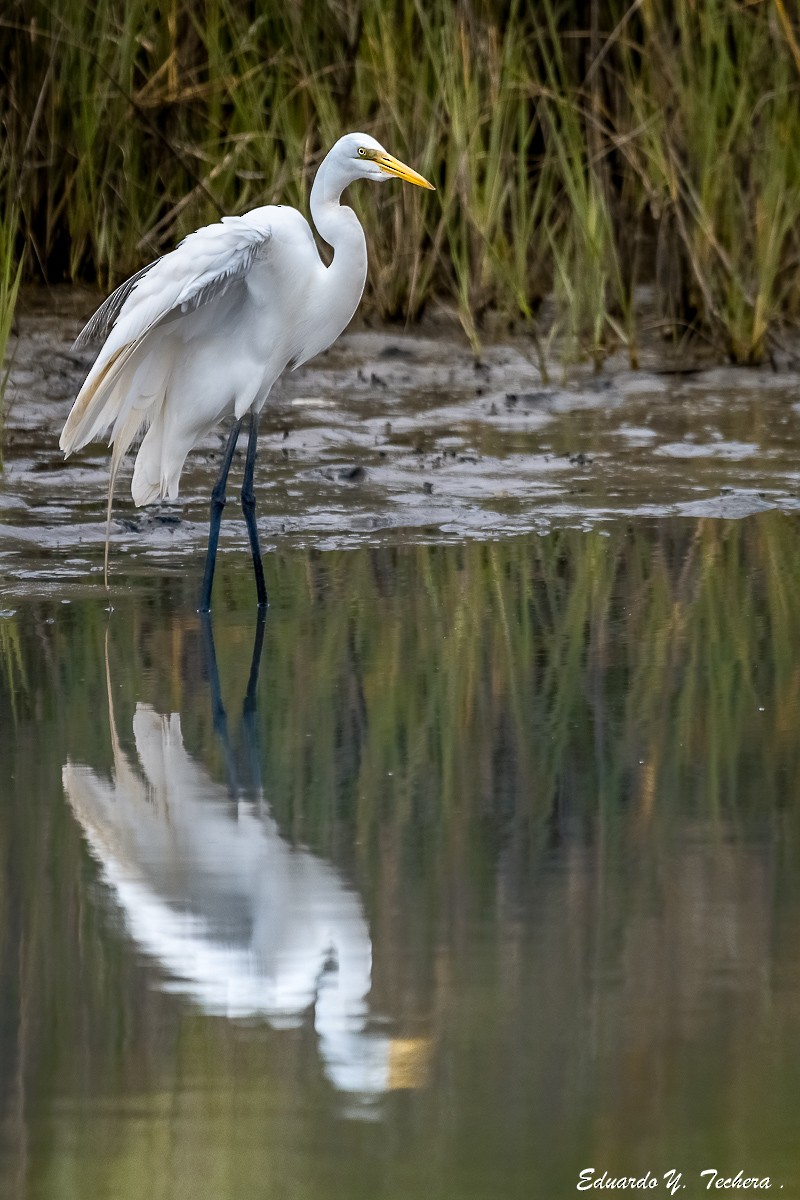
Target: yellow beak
[393, 166]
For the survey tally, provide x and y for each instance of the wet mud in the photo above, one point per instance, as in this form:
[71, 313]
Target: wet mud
[393, 435]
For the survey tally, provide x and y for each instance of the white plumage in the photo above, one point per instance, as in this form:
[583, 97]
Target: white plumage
[204, 332]
[240, 921]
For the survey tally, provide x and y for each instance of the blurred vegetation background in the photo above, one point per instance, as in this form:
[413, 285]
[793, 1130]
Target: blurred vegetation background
[603, 168]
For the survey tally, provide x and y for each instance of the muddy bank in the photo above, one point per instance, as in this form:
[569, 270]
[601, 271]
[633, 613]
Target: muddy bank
[391, 436]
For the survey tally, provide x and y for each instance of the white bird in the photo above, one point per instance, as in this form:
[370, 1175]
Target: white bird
[204, 332]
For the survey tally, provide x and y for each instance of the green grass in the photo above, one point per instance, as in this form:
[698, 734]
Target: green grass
[10, 276]
[579, 150]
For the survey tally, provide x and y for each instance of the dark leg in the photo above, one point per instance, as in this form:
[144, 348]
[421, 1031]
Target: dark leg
[217, 505]
[249, 510]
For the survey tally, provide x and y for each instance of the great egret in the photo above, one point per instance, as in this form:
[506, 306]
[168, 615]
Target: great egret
[204, 332]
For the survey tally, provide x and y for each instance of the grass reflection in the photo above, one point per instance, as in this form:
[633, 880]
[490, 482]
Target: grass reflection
[11, 665]
[561, 774]
[574, 672]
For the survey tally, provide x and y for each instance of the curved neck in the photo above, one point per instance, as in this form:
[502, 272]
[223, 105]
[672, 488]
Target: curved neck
[341, 229]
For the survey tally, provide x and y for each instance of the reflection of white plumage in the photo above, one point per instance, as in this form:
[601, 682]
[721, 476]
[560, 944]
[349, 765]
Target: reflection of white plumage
[242, 922]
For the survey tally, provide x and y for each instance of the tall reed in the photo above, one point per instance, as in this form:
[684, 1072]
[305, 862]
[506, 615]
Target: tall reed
[10, 275]
[580, 149]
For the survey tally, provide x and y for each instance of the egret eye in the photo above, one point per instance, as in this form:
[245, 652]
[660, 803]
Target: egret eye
[362, 152]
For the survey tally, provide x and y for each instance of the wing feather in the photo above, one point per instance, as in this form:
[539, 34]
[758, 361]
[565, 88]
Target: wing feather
[197, 272]
[98, 327]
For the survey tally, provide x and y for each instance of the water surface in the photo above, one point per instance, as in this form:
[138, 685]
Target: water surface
[490, 875]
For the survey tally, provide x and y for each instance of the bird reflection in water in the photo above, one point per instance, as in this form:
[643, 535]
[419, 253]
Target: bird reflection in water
[243, 923]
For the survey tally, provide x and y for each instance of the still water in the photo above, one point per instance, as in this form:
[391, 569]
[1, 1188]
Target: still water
[470, 868]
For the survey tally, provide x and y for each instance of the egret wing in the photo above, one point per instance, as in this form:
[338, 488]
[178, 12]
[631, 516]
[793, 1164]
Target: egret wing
[198, 271]
[98, 327]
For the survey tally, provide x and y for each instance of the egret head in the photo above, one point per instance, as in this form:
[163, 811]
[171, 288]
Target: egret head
[359, 156]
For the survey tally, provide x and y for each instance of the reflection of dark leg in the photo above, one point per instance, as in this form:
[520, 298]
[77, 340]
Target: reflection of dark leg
[255, 664]
[217, 505]
[249, 729]
[217, 707]
[249, 509]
